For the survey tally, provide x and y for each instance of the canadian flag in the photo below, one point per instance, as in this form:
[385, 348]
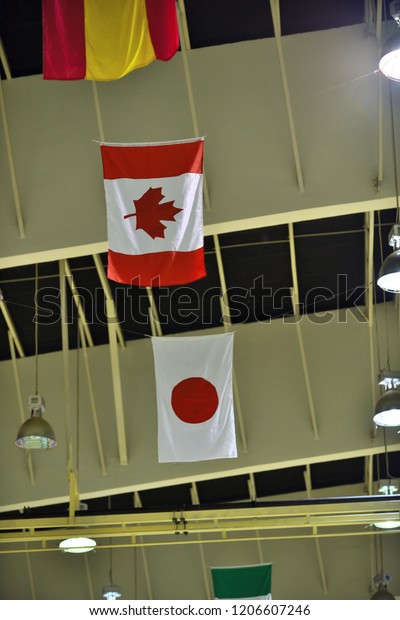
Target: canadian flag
[154, 196]
[194, 398]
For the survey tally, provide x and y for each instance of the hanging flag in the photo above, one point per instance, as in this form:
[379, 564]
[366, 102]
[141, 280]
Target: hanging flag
[154, 196]
[105, 39]
[194, 398]
[234, 582]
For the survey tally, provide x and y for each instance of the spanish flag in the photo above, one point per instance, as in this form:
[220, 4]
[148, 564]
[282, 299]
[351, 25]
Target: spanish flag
[106, 39]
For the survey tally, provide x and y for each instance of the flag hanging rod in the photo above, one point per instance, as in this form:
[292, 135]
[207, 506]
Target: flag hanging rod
[159, 534]
[196, 541]
[200, 513]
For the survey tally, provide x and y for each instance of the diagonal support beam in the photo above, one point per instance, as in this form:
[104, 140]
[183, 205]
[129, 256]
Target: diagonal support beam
[73, 496]
[112, 321]
[137, 502]
[93, 403]
[369, 473]
[276, 19]
[30, 573]
[66, 369]
[89, 578]
[4, 61]
[253, 497]
[226, 317]
[297, 319]
[308, 484]
[11, 327]
[204, 566]
[11, 165]
[185, 47]
[109, 297]
[153, 313]
[78, 303]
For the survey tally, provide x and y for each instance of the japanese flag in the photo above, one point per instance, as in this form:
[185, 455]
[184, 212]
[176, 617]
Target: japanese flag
[154, 196]
[194, 398]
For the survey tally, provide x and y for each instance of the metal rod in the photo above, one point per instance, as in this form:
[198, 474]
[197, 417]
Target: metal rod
[11, 165]
[277, 28]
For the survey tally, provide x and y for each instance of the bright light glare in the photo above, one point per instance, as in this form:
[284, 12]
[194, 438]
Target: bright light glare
[390, 282]
[390, 65]
[388, 418]
[77, 545]
[387, 525]
[111, 592]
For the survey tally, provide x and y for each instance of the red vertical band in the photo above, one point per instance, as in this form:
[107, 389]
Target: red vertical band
[163, 27]
[64, 55]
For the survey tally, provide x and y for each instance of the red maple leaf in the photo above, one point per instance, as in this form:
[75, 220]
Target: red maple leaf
[150, 211]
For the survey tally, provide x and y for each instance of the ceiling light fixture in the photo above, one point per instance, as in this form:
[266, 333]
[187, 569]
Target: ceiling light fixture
[388, 487]
[381, 581]
[387, 525]
[389, 63]
[387, 408]
[77, 545]
[36, 433]
[389, 273]
[111, 592]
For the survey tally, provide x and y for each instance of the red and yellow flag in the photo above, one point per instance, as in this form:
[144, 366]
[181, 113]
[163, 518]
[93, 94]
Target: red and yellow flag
[103, 39]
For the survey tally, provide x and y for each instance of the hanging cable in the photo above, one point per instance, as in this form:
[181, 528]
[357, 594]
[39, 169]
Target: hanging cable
[110, 571]
[78, 343]
[384, 297]
[36, 319]
[388, 475]
[396, 182]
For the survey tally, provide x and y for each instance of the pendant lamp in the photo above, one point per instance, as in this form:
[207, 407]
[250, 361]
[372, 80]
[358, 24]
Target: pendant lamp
[387, 407]
[36, 433]
[111, 592]
[381, 581]
[389, 63]
[389, 273]
[77, 545]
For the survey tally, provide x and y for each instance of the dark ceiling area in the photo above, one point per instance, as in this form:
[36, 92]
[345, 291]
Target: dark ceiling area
[330, 260]
[233, 489]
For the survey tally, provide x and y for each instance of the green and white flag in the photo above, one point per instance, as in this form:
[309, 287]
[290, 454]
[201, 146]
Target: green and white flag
[251, 582]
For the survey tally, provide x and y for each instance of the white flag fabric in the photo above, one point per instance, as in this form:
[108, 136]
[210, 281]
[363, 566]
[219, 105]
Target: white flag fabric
[194, 398]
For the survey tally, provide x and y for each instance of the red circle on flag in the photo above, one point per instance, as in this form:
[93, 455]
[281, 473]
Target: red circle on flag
[194, 400]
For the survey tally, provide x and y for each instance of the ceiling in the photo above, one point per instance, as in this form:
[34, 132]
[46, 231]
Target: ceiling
[310, 263]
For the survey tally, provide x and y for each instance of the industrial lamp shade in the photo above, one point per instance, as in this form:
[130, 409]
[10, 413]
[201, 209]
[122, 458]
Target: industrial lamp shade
[387, 409]
[389, 273]
[387, 525]
[111, 592]
[36, 434]
[389, 63]
[381, 581]
[382, 594]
